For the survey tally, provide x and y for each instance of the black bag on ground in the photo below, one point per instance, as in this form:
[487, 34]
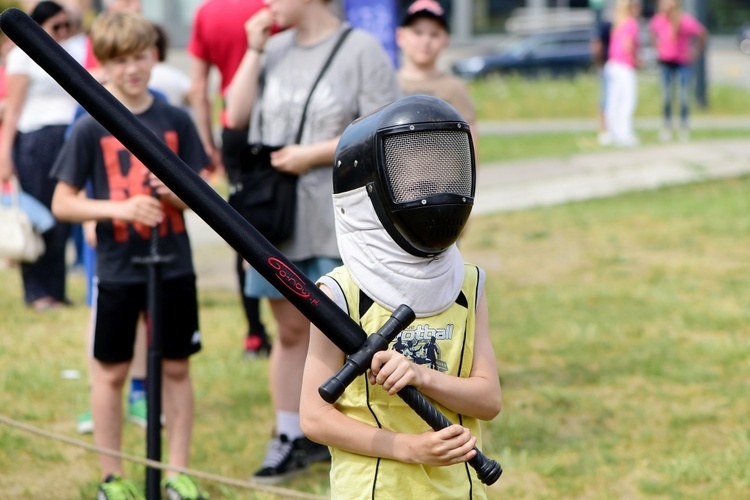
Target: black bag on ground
[264, 196]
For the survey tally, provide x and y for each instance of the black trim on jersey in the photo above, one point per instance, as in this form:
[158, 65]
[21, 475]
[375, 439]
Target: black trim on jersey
[476, 292]
[341, 289]
[380, 426]
[375, 479]
[461, 364]
[461, 300]
[365, 303]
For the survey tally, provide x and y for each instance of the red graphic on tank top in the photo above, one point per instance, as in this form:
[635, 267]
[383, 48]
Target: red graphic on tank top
[127, 177]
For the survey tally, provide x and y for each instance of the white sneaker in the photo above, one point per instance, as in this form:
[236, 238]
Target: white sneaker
[665, 135]
[684, 135]
[604, 139]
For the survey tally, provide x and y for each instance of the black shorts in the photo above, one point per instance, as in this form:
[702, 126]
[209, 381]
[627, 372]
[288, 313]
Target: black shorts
[116, 310]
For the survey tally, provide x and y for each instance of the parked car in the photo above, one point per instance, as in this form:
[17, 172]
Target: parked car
[744, 38]
[555, 53]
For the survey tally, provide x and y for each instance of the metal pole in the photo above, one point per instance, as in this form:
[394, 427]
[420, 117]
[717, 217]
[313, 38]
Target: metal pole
[154, 261]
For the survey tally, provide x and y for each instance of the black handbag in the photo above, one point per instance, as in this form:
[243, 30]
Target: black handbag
[264, 196]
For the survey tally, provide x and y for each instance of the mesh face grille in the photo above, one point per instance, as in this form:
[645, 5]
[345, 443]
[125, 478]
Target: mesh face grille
[422, 164]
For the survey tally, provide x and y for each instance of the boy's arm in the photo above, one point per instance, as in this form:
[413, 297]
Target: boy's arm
[477, 396]
[69, 207]
[201, 104]
[325, 424]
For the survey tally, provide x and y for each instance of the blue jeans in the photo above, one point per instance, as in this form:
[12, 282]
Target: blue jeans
[257, 286]
[681, 73]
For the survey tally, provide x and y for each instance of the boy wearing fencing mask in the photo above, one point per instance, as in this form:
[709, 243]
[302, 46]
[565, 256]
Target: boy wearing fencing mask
[404, 181]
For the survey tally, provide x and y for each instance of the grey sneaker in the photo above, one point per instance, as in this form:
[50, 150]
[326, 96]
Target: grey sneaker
[283, 460]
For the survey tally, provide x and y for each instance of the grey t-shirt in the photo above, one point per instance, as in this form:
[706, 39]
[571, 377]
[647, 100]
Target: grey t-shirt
[359, 80]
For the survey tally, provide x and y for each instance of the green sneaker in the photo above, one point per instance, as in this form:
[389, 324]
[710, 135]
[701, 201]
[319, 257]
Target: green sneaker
[182, 487]
[138, 412]
[85, 422]
[117, 488]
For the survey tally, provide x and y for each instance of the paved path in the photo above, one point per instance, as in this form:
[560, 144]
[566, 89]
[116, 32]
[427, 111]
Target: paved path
[529, 183]
[524, 184]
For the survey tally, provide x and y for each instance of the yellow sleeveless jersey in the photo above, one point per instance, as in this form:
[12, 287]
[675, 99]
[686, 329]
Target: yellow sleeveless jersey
[444, 342]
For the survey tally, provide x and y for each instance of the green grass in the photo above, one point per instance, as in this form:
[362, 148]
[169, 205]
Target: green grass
[621, 332]
[620, 328]
[515, 98]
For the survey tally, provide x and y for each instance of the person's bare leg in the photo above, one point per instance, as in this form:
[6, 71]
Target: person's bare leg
[288, 355]
[178, 406]
[138, 368]
[107, 380]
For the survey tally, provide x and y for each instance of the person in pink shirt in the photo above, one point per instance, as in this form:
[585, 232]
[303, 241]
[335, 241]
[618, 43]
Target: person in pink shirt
[679, 39]
[620, 69]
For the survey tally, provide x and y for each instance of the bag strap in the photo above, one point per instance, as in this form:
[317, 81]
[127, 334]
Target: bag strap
[323, 70]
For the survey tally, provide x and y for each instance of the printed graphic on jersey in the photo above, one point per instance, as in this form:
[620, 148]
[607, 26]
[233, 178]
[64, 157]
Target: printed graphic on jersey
[127, 177]
[419, 344]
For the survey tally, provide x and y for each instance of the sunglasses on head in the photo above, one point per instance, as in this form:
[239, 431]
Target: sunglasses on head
[61, 26]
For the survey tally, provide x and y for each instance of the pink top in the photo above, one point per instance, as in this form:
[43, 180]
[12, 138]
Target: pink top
[675, 47]
[623, 42]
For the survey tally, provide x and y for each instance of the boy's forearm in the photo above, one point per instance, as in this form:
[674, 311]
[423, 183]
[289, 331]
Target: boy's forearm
[474, 396]
[81, 209]
[333, 428]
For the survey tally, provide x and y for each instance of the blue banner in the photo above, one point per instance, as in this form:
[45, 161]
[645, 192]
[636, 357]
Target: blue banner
[378, 17]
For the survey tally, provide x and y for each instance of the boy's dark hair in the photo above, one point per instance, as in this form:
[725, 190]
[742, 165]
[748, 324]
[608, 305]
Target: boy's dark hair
[44, 10]
[162, 43]
[120, 34]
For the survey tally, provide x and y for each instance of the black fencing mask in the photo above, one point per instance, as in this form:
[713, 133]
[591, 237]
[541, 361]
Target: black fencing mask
[415, 158]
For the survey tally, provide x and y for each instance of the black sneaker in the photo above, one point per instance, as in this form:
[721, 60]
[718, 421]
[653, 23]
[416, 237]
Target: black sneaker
[257, 346]
[283, 460]
[314, 452]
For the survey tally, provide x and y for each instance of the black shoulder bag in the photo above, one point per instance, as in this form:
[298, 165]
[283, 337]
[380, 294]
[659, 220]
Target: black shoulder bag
[264, 196]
